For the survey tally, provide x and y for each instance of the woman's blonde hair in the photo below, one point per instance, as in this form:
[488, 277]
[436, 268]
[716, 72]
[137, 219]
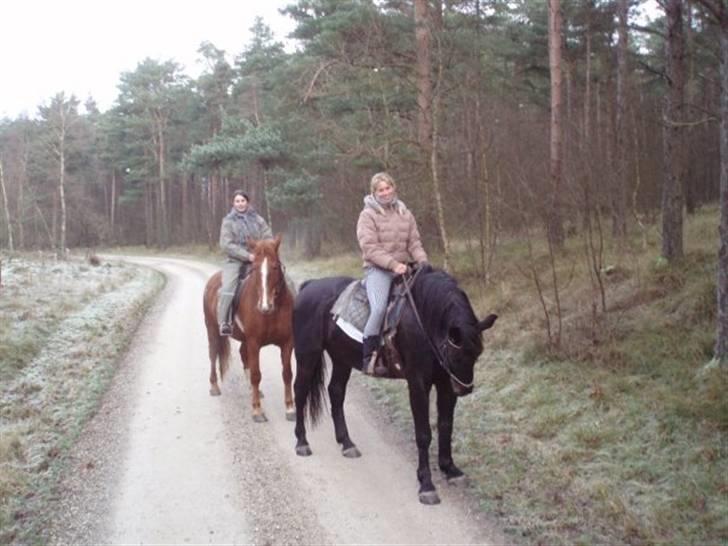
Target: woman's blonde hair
[381, 177]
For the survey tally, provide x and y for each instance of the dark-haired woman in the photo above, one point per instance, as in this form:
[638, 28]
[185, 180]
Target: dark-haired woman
[239, 225]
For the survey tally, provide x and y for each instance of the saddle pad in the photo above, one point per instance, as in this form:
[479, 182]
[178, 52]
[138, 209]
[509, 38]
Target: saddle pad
[352, 307]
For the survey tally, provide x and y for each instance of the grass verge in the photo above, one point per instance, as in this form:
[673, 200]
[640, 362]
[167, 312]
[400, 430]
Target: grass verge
[68, 324]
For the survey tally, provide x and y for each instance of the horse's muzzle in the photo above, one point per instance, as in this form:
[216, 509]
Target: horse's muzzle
[459, 389]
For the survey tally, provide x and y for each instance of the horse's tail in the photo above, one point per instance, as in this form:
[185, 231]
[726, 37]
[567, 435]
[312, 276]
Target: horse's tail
[316, 389]
[223, 355]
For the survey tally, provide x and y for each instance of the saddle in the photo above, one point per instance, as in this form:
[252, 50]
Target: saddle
[351, 311]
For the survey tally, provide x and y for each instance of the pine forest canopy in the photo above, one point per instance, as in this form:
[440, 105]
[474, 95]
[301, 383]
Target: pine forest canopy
[465, 129]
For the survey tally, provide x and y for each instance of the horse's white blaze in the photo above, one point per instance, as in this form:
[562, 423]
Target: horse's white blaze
[264, 305]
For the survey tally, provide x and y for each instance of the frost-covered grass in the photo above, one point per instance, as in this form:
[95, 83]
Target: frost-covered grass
[64, 325]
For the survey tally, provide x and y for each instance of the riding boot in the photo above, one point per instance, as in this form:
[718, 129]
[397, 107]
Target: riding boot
[224, 308]
[370, 353]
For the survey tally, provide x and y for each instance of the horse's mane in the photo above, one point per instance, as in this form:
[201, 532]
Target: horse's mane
[442, 304]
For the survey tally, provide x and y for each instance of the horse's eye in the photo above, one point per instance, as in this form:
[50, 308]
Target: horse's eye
[453, 344]
[455, 338]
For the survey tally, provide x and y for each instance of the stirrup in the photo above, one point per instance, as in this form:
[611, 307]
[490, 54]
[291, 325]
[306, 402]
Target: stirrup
[367, 366]
[226, 329]
[374, 367]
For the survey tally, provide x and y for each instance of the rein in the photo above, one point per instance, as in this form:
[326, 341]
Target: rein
[438, 352]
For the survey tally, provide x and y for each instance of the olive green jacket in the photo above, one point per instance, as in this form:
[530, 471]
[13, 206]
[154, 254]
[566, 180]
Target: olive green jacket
[237, 228]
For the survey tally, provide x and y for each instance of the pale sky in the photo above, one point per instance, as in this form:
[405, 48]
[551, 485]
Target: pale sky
[81, 47]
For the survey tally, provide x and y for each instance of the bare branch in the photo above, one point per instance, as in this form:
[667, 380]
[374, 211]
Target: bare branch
[311, 84]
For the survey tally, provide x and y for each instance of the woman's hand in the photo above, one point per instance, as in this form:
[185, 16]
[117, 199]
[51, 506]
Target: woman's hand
[400, 269]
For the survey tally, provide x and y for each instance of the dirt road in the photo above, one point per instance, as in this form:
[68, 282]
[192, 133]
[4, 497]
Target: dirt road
[165, 463]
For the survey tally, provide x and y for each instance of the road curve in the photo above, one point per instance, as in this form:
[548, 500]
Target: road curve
[163, 462]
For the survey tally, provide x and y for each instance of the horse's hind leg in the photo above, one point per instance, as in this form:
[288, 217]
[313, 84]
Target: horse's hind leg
[213, 344]
[302, 389]
[286, 351]
[214, 387]
[337, 392]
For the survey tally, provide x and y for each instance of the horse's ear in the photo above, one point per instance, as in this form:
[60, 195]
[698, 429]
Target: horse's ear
[251, 243]
[487, 322]
[277, 240]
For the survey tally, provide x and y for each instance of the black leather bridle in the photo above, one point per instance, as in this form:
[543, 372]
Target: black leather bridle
[439, 351]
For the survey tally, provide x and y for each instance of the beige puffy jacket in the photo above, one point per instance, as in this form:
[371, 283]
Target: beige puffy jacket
[388, 235]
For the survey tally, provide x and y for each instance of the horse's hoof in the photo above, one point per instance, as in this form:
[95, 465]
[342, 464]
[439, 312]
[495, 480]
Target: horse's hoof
[215, 391]
[290, 415]
[260, 418]
[352, 452]
[457, 480]
[303, 451]
[429, 497]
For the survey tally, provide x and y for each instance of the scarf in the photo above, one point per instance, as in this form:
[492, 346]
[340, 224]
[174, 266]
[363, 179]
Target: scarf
[373, 202]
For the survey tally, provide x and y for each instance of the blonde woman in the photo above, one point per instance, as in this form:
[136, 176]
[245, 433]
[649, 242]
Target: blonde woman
[389, 240]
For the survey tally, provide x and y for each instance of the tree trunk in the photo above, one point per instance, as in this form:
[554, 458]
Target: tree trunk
[112, 205]
[6, 209]
[54, 221]
[672, 195]
[721, 345]
[265, 198]
[553, 214]
[425, 102]
[619, 209]
[62, 190]
[163, 217]
[587, 83]
[691, 162]
[423, 38]
[148, 215]
[434, 166]
[19, 206]
[187, 215]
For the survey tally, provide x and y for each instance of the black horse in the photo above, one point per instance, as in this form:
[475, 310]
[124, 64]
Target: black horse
[438, 341]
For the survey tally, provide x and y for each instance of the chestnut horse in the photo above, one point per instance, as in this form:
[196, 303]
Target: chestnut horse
[262, 317]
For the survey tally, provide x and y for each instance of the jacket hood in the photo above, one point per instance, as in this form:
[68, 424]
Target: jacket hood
[397, 204]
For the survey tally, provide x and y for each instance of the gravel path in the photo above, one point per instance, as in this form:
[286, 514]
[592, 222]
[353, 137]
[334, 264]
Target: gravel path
[162, 462]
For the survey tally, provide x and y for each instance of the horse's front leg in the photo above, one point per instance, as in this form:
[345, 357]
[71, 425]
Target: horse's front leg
[337, 392]
[286, 350]
[419, 395]
[446, 401]
[252, 359]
